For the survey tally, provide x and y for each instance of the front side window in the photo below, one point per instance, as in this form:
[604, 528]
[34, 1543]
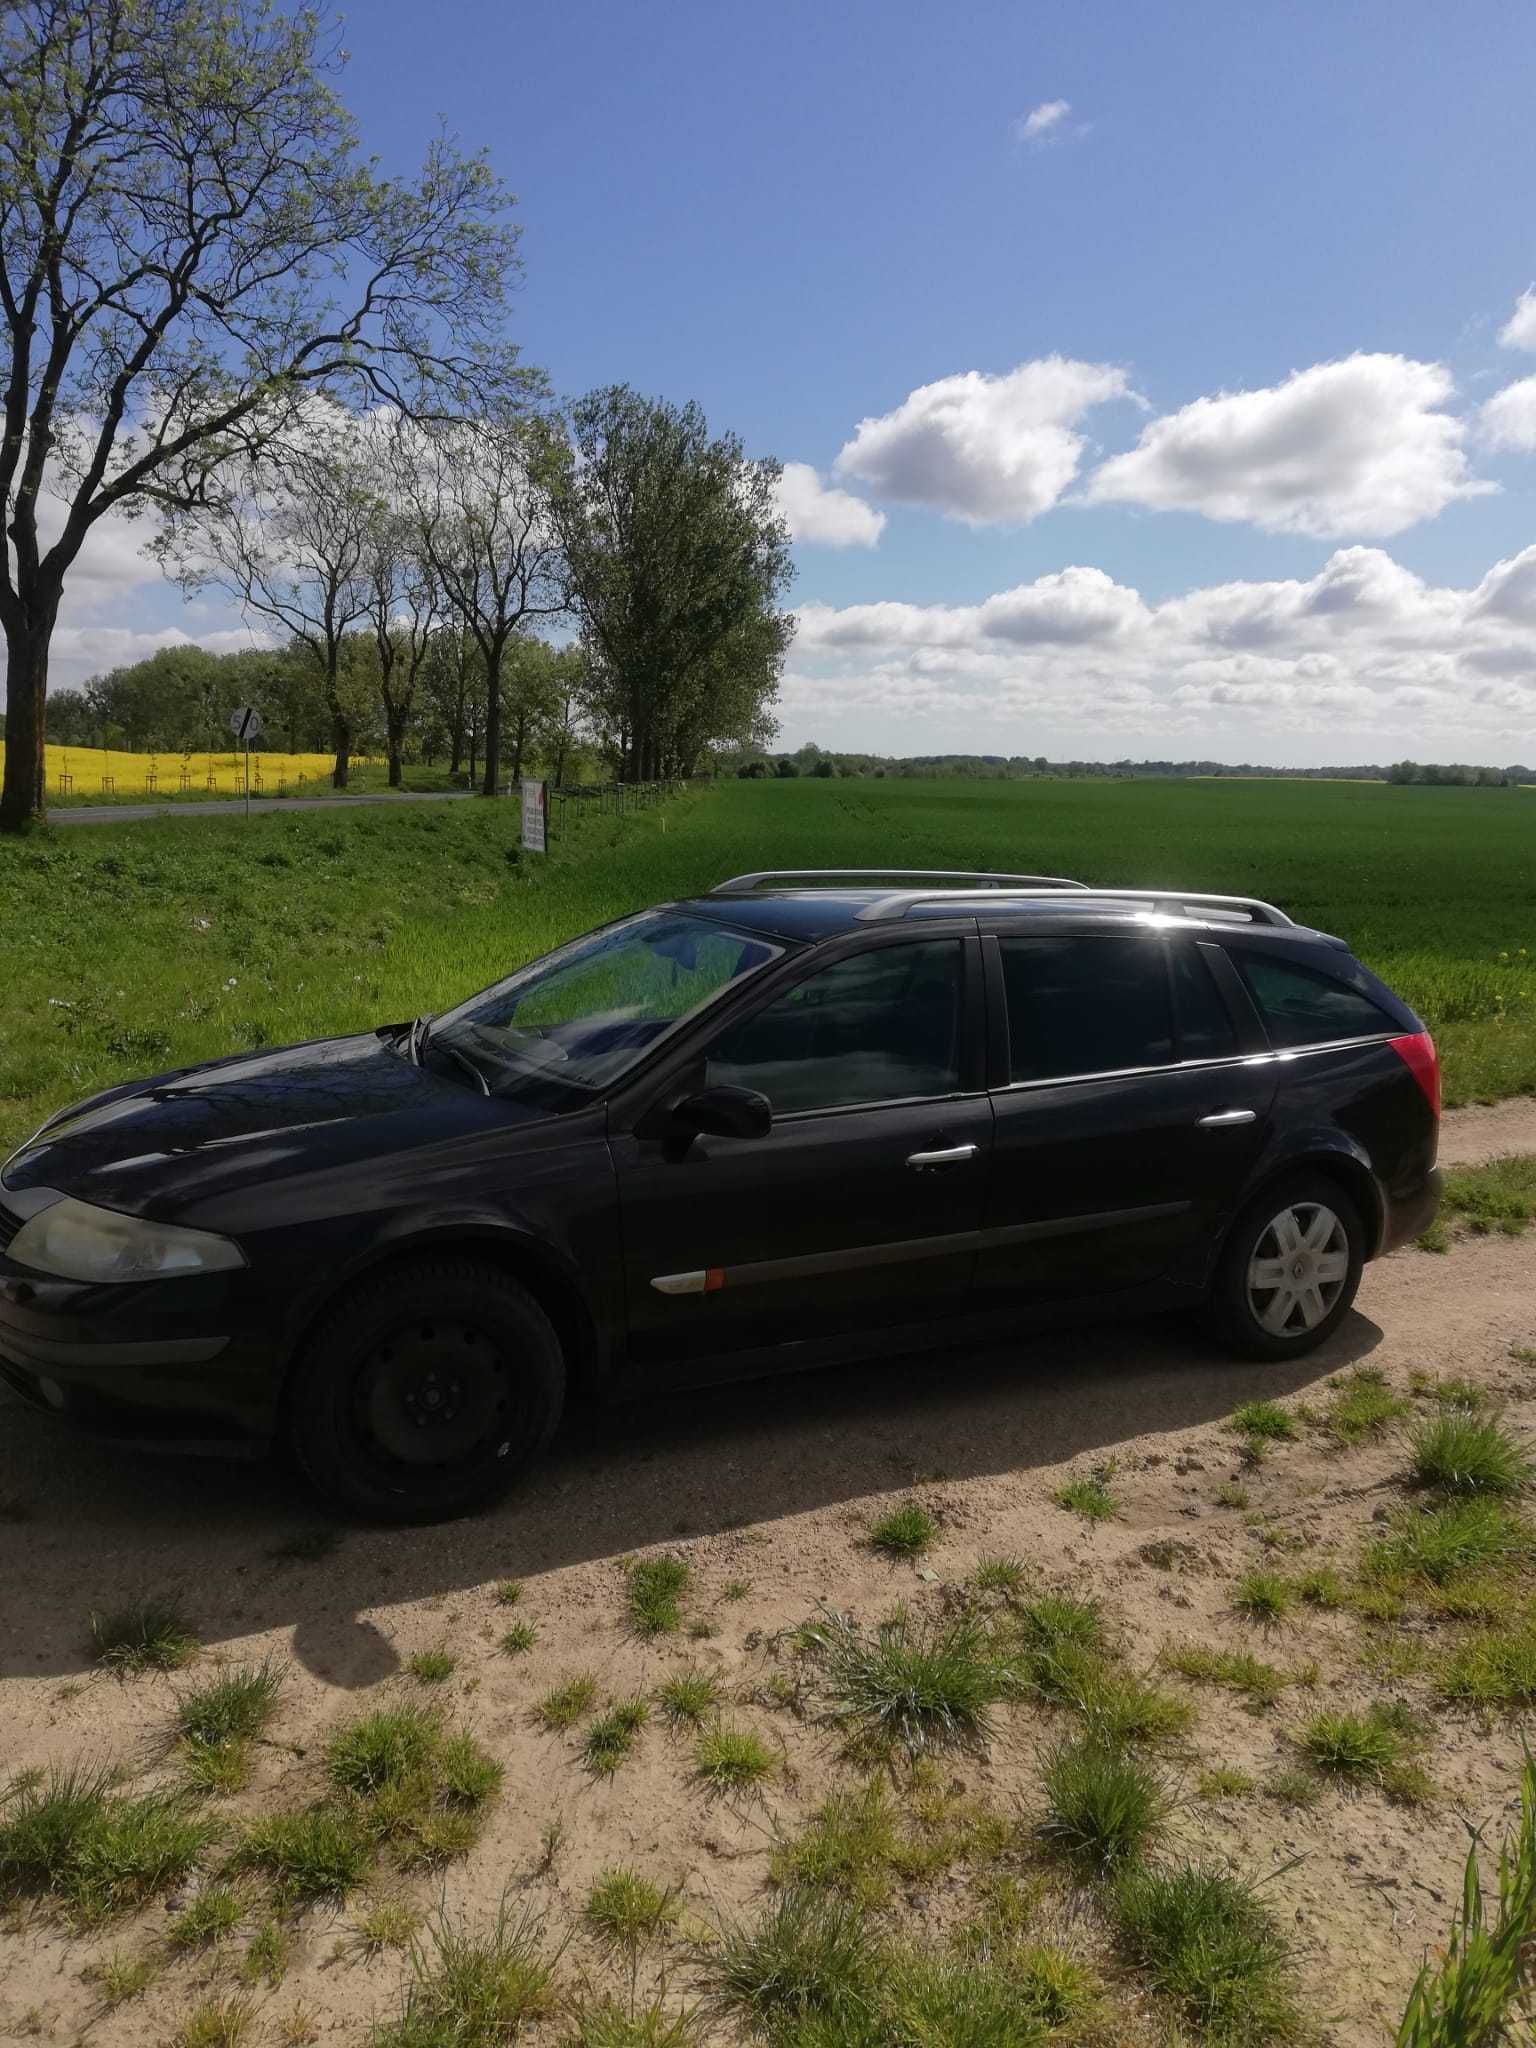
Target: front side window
[1085, 1006]
[567, 1026]
[880, 1026]
[1302, 1007]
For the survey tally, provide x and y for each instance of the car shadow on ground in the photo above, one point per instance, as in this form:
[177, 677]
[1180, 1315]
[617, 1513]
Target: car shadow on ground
[85, 1525]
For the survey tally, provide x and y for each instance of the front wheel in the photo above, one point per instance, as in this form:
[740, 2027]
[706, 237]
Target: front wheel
[1290, 1269]
[425, 1391]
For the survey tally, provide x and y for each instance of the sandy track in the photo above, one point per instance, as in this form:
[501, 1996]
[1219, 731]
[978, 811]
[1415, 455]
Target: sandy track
[775, 1485]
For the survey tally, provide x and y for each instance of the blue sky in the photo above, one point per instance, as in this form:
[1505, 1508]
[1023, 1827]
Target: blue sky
[802, 215]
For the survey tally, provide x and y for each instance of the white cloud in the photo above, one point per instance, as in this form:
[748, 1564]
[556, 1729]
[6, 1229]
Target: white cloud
[1361, 446]
[821, 513]
[1509, 418]
[984, 449]
[1045, 123]
[1363, 661]
[1519, 330]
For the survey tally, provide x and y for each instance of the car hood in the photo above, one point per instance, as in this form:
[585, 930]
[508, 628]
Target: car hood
[157, 1147]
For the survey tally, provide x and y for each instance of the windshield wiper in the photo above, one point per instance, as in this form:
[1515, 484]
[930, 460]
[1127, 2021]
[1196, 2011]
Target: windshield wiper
[442, 1045]
[416, 1044]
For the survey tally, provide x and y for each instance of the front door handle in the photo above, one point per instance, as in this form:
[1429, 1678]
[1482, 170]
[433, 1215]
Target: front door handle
[951, 1155]
[1225, 1118]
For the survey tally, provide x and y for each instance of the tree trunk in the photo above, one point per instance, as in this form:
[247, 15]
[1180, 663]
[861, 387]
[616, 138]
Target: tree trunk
[341, 737]
[492, 726]
[472, 744]
[24, 799]
[396, 740]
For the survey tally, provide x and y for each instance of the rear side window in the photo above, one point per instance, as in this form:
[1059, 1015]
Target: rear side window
[1205, 1028]
[1085, 1006]
[1301, 1006]
[880, 1026]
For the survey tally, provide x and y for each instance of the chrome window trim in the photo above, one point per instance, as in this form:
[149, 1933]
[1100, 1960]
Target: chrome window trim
[1241, 1059]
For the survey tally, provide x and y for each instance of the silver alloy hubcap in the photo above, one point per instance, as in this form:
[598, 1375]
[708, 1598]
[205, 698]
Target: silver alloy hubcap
[1298, 1269]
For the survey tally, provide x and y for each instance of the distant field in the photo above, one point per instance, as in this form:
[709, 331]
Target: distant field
[135, 948]
[100, 775]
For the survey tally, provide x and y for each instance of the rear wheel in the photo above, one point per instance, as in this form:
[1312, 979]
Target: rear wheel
[425, 1392]
[1290, 1268]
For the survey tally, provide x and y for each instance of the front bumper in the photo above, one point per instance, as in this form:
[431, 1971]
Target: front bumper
[188, 1361]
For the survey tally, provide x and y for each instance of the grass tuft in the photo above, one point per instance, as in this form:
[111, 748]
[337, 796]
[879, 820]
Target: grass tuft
[432, 1667]
[610, 2023]
[1373, 1748]
[1089, 1497]
[320, 1852]
[732, 1759]
[1494, 1669]
[568, 1703]
[908, 1531]
[612, 1735]
[1104, 1806]
[1498, 1196]
[628, 1912]
[508, 1592]
[1264, 1422]
[906, 1685]
[1259, 1683]
[1437, 1546]
[999, 1575]
[148, 1635]
[1263, 1596]
[468, 1991]
[1209, 1944]
[519, 1639]
[1462, 1453]
[803, 1971]
[212, 1916]
[68, 1836]
[654, 1590]
[216, 2023]
[1362, 1405]
[217, 1723]
[689, 1698]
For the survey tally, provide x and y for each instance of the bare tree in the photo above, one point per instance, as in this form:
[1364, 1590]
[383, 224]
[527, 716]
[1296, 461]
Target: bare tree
[482, 517]
[402, 597]
[190, 242]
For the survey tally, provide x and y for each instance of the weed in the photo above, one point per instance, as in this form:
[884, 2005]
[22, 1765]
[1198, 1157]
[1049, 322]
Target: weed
[611, 1736]
[519, 1639]
[1450, 1393]
[118, 1977]
[1260, 1684]
[469, 1992]
[806, 1964]
[917, 1687]
[432, 1667]
[1118, 1706]
[1208, 1943]
[1103, 1805]
[212, 1916]
[688, 1698]
[655, 1589]
[382, 1749]
[568, 1703]
[318, 1852]
[735, 1589]
[1462, 1453]
[385, 1923]
[66, 1835]
[1495, 1669]
[1497, 1196]
[1461, 1536]
[1264, 1422]
[266, 1955]
[1321, 1587]
[629, 1912]
[1231, 1495]
[464, 1771]
[1373, 1748]
[731, 1759]
[508, 1592]
[216, 2023]
[1089, 1497]
[1361, 1405]
[1263, 1596]
[999, 1575]
[908, 1531]
[1224, 1783]
[1056, 1619]
[148, 1635]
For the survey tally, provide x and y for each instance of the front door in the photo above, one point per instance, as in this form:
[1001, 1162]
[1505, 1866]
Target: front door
[861, 1207]
[1128, 1119]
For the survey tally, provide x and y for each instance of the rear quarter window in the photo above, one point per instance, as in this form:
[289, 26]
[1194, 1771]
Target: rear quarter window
[1303, 1006]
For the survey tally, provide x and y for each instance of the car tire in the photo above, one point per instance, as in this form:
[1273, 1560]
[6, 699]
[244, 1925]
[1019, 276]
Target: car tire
[1306, 1235]
[425, 1391]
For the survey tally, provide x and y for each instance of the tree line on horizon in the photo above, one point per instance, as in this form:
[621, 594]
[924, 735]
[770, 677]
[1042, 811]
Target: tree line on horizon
[221, 315]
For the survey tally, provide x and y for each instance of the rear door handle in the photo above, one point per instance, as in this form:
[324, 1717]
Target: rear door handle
[1224, 1118]
[951, 1155]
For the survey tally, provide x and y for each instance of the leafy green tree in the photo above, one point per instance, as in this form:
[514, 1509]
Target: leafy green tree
[190, 244]
[677, 558]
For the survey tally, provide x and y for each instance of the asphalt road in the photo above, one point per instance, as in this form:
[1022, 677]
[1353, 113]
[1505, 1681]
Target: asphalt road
[230, 807]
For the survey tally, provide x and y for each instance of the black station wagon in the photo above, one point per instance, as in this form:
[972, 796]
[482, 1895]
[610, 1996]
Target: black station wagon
[802, 1118]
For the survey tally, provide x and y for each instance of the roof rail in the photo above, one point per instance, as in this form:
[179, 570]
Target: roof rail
[1161, 902]
[954, 878]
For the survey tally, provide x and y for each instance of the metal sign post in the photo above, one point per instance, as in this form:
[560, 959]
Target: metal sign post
[535, 817]
[245, 724]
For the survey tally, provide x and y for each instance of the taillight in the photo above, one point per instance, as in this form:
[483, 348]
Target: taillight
[1418, 1055]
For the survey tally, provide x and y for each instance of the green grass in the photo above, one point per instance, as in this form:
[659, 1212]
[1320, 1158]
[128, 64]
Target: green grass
[806, 1963]
[148, 1635]
[69, 1836]
[1463, 1453]
[216, 2023]
[689, 1698]
[1322, 1586]
[472, 1991]
[1103, 1805]
[653, 1591]
[1471, 1992]
[727, 1758]
[1451, 1392]
[1373, 1748]
[906, 1685]
[118, 1977]
[372, 914]
[1497, 1197]
[1225, 1781]
[1263, 1596]
[1437, 1545]
[1213, 1948]
[216, 1723]
[519, 1639]
[610, 1738]
[211, 1917]
[999, 1575]
[864, 1841]
[1494, 1668]
[266, 1955]
[1264, 1422]
[1259, 1683]
[908, 1531]
[1361, 1405]
[320, 1852]
[629, 1912]
[568, 1703]
[508, 1592]
[614, 2023]
[1089, 1497]
[382, 1749]
[432, 1667]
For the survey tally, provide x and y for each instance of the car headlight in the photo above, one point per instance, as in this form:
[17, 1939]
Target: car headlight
[77, 1241]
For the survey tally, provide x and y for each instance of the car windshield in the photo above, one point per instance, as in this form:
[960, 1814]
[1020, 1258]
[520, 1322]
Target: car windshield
[567, 1026]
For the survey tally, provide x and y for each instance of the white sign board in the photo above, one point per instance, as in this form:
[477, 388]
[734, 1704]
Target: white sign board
[245, 723]
[534, 817]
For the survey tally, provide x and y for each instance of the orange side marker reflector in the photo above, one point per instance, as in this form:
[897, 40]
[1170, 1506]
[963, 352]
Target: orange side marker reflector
[714, 1279]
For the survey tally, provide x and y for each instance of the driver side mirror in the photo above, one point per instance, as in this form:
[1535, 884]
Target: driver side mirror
[723, 1113]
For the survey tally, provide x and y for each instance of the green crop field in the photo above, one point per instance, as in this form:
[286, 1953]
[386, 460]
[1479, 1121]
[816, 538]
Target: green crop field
[129, 949]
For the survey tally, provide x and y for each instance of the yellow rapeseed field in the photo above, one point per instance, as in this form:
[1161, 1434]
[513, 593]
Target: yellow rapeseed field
[77, 774]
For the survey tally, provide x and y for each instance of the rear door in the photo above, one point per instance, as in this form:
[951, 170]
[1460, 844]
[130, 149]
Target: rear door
[862, 1206]
[1129, 1113]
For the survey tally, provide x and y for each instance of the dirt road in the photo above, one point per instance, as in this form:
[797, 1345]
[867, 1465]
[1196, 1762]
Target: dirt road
[772, 1488]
